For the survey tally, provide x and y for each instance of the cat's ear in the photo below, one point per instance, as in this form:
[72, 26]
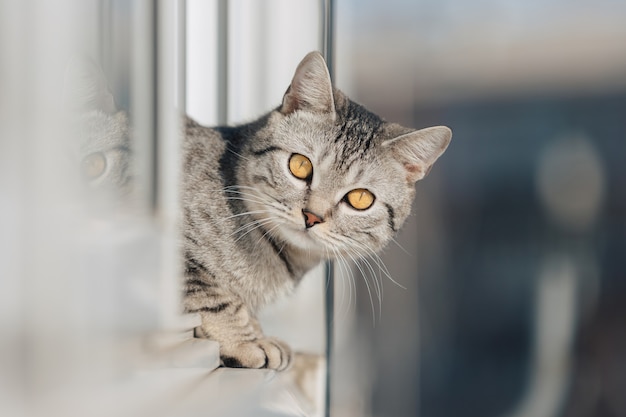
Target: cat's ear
[418, 150]
[85, 87]
[311, 88]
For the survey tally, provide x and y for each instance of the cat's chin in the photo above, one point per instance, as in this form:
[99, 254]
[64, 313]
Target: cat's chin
[303, 240]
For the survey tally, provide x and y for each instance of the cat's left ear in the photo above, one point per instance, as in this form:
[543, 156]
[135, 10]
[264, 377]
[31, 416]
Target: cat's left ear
[311, 88]
[418, 150]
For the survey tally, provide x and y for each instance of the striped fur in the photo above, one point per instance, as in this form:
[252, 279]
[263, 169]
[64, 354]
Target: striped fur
[245, 240]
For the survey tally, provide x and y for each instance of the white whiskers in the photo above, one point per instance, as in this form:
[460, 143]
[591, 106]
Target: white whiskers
[371, 267]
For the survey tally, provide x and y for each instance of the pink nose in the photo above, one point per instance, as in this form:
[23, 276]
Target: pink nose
[311, 219]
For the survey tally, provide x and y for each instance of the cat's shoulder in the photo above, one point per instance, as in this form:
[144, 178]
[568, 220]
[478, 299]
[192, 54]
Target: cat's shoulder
[194, 131]
[200, 140]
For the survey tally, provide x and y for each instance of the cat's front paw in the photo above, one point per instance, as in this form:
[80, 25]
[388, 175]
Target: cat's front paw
[266, 352]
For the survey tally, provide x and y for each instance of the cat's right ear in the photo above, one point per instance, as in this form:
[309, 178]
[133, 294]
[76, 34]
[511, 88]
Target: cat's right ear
[85, 87]
[418, 150]
[311, 88]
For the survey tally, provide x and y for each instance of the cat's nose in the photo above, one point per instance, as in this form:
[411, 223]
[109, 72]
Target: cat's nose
[311, 219]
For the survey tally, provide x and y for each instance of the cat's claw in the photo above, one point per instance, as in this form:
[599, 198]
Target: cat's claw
[263, 353]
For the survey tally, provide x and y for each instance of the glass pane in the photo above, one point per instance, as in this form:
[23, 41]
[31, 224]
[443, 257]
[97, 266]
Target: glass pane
[90, 173]
[86, 250]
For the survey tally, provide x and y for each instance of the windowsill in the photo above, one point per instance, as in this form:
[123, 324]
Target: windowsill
[181, 376]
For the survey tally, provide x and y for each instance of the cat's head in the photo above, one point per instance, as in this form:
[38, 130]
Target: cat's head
[330, 177]
[99, 132]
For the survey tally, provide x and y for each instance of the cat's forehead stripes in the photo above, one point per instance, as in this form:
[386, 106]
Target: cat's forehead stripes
[268, 149]
[357, 133]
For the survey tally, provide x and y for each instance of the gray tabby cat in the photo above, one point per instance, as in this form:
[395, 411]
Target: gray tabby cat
[319, 176]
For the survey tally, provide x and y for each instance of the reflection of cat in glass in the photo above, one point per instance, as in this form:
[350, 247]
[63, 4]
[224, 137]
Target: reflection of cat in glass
[319, 177]
[101, 130]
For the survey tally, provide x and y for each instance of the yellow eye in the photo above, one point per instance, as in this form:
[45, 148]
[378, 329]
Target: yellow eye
[360, 198]
[300, 166]
[93, 165]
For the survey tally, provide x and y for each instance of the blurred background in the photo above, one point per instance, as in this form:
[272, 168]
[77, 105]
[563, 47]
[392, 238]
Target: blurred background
[515, 290]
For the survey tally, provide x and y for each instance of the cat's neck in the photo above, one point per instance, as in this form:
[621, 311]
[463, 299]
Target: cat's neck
[301, 260]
